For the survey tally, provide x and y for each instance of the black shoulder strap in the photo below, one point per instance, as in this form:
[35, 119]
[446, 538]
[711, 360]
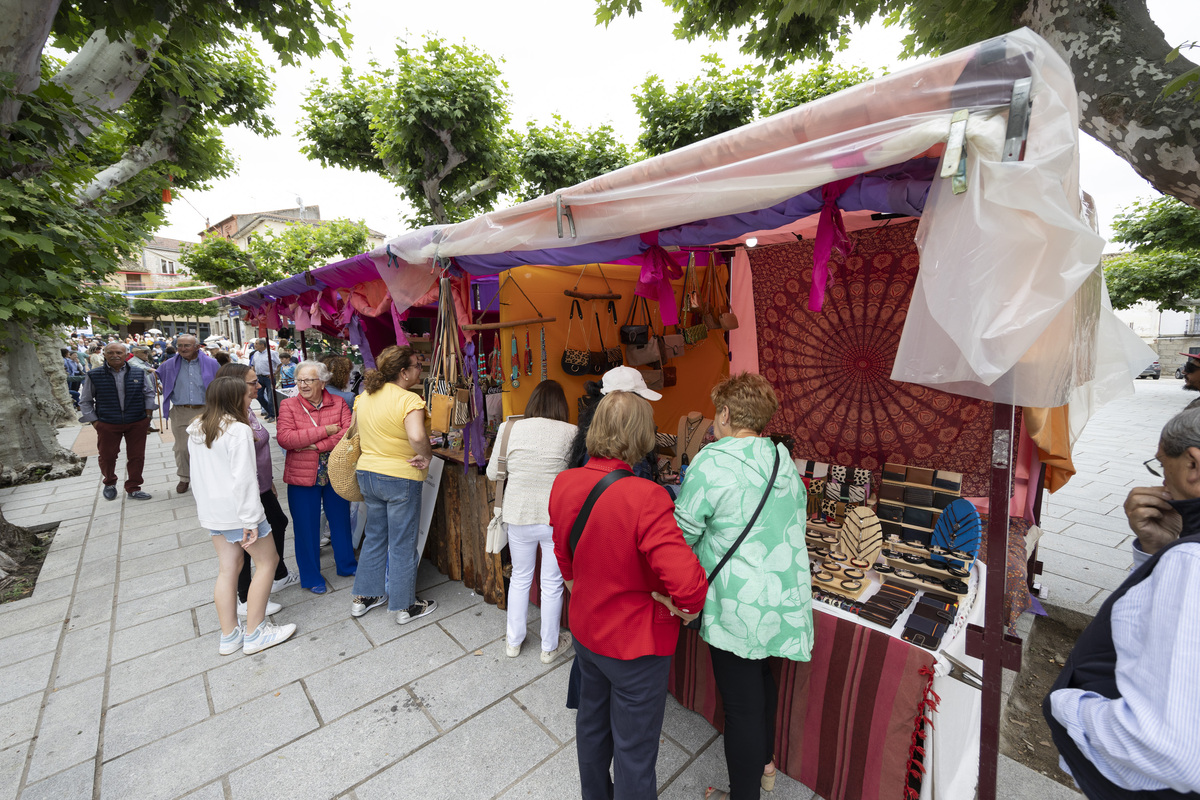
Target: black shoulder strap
[585, 512]
[753, 519]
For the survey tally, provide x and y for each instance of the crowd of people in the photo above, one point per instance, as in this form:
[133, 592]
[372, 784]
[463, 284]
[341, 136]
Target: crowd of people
[725, 549]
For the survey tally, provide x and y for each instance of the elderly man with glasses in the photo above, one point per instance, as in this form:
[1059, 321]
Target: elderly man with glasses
[118, 400]
[1125, 712]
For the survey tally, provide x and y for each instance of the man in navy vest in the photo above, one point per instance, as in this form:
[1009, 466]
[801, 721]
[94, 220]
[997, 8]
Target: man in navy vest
[118, 400]
[1125, 712]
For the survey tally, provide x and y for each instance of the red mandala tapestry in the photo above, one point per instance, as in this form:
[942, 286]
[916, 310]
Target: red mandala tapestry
[830, 368]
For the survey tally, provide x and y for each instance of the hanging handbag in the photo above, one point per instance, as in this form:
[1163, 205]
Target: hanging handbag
[497, 533]
[614, 357]
[722, 307]
[708, 298]
[633, 332]
[450, 400]
[598, 360]
[692, 334]
[695, 624]
[343, 464]
[574, 361]
[653, 378]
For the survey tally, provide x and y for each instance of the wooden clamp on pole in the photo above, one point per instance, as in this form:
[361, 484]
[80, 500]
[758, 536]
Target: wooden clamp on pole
[515, 323]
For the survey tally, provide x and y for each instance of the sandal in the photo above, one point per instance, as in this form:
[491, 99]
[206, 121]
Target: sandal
[768, 780]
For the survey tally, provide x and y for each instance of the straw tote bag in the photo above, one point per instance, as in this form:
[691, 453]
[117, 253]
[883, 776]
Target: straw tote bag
[343, 464]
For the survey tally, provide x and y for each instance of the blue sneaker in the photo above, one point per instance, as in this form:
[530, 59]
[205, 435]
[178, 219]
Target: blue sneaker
[319, 589]
[232, 642]
[267, 635]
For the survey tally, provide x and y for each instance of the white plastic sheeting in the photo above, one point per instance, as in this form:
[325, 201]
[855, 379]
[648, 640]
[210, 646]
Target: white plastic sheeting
[1001, 310]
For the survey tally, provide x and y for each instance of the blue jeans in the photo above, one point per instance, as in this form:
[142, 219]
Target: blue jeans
[305, 504]
[389, 546]
[266, 395]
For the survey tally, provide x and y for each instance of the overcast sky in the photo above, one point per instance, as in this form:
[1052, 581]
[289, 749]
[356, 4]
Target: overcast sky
[556, 60]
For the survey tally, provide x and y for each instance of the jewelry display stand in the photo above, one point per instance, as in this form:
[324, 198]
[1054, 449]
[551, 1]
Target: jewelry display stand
[692, 427]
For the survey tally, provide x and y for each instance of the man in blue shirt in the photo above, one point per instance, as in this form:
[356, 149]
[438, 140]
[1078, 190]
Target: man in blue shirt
[1125, 712]
[185, 377]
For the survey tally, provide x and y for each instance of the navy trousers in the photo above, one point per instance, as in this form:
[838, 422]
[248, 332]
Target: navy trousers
[621, 707]
[305, 503]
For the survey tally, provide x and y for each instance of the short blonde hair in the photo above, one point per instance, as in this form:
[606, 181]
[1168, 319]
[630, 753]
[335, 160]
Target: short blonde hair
[622, 427]
[750, 398]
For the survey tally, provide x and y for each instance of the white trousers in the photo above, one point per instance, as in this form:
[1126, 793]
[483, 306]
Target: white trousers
[523, 543]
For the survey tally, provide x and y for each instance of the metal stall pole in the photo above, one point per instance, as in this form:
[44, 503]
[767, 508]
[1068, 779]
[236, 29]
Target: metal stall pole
[997, 649]
[989, 642]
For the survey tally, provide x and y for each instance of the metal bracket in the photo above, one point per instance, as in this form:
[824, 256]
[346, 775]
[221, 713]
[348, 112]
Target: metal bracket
[962, 673]
[1010, 647]
[560, 210]
[954, 162]
[1018, 119]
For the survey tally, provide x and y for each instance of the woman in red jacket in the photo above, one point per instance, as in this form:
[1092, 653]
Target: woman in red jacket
[629, 549]
[308, 427]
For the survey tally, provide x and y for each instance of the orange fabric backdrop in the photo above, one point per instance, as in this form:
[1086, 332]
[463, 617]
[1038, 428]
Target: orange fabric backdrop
[698, 370]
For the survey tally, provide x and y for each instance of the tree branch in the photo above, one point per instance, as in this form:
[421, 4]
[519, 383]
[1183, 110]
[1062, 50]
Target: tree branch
[1118, 57]
[104, 74]
[156, 148]
[24, 28]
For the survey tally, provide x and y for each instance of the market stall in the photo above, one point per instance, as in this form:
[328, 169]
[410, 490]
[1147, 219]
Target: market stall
[909, 263]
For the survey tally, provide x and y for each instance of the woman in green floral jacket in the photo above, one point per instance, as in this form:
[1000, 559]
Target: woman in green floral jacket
[760, 603]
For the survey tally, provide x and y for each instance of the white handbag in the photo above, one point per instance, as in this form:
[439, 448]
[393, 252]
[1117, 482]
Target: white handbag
[497, 533]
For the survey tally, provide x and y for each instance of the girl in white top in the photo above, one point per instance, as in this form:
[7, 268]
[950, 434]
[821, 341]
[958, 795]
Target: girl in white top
[225, 486]
[538, 448]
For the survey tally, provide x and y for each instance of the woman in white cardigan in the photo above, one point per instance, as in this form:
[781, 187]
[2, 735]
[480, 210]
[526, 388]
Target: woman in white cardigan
[538, 448]
[225, 487]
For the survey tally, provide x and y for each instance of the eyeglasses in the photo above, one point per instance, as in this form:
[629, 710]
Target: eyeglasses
[1152, 470]
[307, 381]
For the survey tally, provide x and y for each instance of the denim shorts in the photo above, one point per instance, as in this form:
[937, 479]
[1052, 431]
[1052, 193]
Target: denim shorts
[235, 535]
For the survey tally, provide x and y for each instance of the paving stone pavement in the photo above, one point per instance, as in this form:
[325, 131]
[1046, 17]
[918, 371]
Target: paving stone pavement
[111, 685]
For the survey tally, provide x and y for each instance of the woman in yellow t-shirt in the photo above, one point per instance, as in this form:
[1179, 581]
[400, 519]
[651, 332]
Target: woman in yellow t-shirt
[391, 471]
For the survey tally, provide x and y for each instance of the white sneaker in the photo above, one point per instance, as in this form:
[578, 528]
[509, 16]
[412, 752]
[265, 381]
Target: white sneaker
[564, 642]
[232, 642]
[290, 579]
[267, 635]
[512, 651]
[272, 608]
[324, 540]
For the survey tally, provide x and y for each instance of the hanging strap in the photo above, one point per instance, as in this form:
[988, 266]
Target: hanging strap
[631, 318]
[587, 340]
[597, 490]
[502, 460]
[753, 519]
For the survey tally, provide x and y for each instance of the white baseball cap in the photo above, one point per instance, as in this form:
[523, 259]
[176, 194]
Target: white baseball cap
[627, 379]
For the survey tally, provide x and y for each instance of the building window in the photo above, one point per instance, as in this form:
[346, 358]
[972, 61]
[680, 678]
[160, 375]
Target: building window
[134, 283]
[166, 267]
[204, 331]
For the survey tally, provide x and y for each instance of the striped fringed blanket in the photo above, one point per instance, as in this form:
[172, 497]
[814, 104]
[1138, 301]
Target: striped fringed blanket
[845, 721]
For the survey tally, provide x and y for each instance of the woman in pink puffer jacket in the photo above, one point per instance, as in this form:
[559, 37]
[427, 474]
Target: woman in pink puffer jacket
[308, 427]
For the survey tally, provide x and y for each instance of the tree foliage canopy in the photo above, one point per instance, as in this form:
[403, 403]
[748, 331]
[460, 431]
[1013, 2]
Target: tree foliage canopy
[434, 124]
[1164, 265]
[88, 143]
[556, 156]
[722, 99]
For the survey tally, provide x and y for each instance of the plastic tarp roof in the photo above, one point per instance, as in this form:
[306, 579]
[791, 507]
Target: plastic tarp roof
[1009, 303]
